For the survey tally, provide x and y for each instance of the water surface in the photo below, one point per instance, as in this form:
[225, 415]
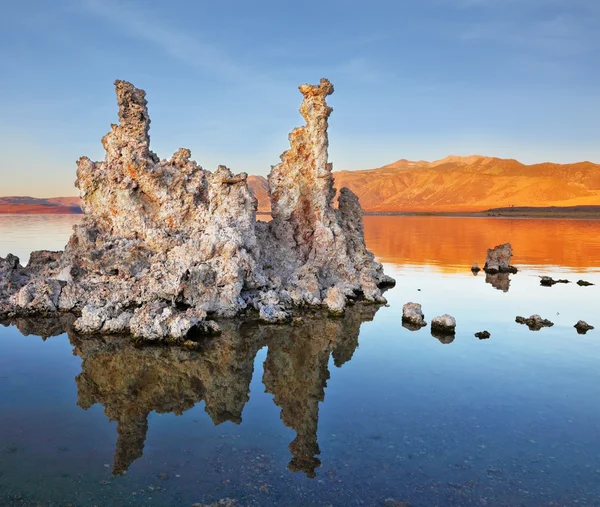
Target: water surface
[348, 411]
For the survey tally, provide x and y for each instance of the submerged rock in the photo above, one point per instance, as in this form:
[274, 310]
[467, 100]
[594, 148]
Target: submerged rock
[583, 327]
[444, 324]
[548, 281]
[412, 316]
[483, 335]
[164, 243]
[498, 260]
[534, 323]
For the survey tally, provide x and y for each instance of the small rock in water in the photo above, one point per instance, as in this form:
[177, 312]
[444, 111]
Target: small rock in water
[483, 335]
[534, 323]
[548, 281]
[446, 324]
[390, 502]
[412, 316]
[583, 327]
[498, 260]
[583, 283]
[475, 268]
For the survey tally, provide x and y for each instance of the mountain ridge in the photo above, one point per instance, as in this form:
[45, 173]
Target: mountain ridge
[472, 183]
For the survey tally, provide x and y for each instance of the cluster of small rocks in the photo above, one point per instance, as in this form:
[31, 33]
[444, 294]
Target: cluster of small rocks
[414, 319]
[498, 264]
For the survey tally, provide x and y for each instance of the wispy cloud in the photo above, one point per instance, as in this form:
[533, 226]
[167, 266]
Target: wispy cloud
[184, 47]
[561, 35]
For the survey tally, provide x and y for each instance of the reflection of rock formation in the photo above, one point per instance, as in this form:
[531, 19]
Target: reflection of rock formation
[131, 382]
[296, 372]
[500, 281]
[44, 327]
[443, 336]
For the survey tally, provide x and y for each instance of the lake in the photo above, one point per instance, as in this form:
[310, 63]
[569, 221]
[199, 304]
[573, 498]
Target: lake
[356, 410]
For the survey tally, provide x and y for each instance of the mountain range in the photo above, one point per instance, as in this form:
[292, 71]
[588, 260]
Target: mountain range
[453, 184]
[33, 205]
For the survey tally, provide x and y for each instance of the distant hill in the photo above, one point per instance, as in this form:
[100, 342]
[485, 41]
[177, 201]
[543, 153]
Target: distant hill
[475, 183]
[466, 184]
[34, 206]
[260, 189]
[454, 184]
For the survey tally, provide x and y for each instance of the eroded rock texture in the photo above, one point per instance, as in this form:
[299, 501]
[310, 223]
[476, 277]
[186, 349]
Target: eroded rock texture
[315, 252]
[165, 243]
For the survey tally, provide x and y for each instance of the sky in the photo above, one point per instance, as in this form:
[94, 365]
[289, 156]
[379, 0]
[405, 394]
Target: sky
[414, 79]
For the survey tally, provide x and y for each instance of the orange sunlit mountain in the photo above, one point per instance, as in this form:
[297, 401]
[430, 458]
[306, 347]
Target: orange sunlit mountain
[34, 206]
[453, 184]
[472, 183]
[467, 184]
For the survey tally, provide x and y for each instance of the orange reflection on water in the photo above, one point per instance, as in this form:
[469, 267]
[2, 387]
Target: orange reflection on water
[453, 243]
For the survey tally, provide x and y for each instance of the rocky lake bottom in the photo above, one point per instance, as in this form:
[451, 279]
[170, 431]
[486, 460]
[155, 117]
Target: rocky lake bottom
[357, 410]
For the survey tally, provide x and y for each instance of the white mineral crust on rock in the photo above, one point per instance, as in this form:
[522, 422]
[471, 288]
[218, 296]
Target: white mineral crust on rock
[164, 243]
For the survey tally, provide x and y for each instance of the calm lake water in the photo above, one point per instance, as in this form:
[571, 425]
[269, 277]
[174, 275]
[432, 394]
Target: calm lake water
[349, 411]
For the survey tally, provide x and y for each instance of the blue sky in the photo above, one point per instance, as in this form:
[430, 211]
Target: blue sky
[416, 79]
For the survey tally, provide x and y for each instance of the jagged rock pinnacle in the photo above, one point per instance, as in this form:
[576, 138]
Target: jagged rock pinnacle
[165, 243]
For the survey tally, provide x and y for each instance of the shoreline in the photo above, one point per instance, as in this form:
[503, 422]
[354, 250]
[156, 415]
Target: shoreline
[595, 215]
[539, 213]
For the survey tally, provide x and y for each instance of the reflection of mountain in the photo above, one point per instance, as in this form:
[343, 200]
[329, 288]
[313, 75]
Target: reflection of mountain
[453, 244]
[131, 382]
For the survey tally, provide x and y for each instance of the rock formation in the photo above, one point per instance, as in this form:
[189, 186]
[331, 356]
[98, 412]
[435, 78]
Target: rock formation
[498, 260]
[165, 243]
[483, 335]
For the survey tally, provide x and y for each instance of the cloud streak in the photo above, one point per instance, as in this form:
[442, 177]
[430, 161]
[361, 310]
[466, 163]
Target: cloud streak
[189, 50]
